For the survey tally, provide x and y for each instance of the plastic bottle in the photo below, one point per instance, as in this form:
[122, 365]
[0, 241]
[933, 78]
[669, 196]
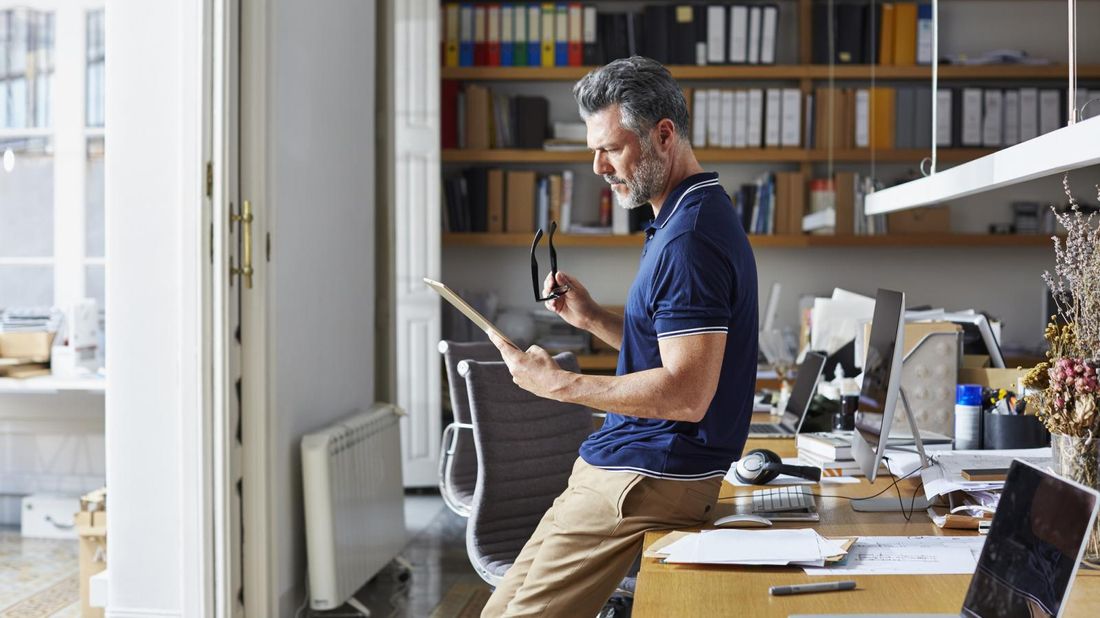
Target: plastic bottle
[968, 416]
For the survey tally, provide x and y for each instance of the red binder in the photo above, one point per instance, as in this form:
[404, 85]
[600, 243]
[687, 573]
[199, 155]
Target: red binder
[576, 34]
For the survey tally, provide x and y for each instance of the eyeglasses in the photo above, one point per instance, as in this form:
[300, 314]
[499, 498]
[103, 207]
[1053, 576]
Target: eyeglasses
[554, 292]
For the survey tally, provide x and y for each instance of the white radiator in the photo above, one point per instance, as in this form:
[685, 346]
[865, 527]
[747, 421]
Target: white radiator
[354, 503]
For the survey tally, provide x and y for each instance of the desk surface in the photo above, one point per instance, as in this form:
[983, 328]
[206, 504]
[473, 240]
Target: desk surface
[707, 590]
[49, 384]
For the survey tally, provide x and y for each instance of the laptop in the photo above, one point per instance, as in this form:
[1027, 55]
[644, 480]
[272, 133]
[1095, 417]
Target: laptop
[797, 404]
[1035, 544]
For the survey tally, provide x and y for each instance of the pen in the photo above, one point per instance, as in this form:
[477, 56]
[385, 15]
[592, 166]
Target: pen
[779, 591]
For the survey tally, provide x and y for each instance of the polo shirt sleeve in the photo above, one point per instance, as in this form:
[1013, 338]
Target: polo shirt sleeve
[692, 288]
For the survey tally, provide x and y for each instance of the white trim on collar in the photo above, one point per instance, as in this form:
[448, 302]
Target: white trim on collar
[705, 183]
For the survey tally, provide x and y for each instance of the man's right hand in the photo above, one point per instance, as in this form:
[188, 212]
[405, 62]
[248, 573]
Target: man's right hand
[575, 306]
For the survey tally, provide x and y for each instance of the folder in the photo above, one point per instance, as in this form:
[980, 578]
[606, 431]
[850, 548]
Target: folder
[820, 24]
[845, 203]
[592, 54]
[924, 34]
[492, 35]
[507, 35]
[561, 35]
[534, 35]
[882, 126]
[944, 118]
[971, 117]
[904, 118]
[791, 113]
[755, 133]
[716, 34]
[713, 99]
[477, 187]
[576, 35]
[1050, 111]
[886, 36]
[657, 24]
[992, 117]
[740, 119]
[519, 35]
[682, 41]
[772, 117]
[739, 34]
[1029, 113]
[549, 16]
[1011, 133]
[534, 112]
[481, 36]
[863, 118]
[519, 207]
[700, 35]
[849, 33]
[768, 27]
[754, 34]
[466, 35]
[699, 117]
[496, 201]
[728, 121]
[872, 22]
[451, 35]
[448, 92]
[922, 127]
[905, 34]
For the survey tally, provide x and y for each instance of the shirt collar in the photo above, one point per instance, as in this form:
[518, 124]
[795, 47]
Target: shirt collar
[672, 204]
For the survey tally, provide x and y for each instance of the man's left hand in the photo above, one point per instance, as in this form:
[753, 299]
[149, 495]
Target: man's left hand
[533, 370]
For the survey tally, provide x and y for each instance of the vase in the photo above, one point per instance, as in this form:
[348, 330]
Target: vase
[1078, 459]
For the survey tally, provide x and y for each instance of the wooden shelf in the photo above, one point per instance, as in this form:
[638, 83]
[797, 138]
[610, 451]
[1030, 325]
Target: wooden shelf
[764, 242]
[793, 71]
[598, 362]
[719, 155]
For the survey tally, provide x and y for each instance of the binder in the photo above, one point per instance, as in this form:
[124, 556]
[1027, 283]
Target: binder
[754, 35]
[808, 128]
[992, 117]
[448, 92]
[492, 35]
[534, 112]
[922, 128]
[769, 24]
[740, 119]
[772, 118]
[971, 117]
[519, 36]
[924, 34]
[820, 24]
[576, 34]
[863, 118]
[657, 22]
[739, 34]
[716, 34]
[944, 113]
[549, 15]
[477, 188]
[713, 98]
[451, 35]
[849, 33]
[791, 110]
[1011, 133]
[905, 34]
[872, 22]
[592, 54]
[699, 118]
[755, 133]
[729, 119]
[682, 41]
[904, 118]
[561, 36]
[700, 35]
[1050, 111]
[882, 126]
[481, 40]
[534, 35]
[886, 35]
[477, 117]
[845, 203]
[507, 35]
[520, 203]
[466, 35]
[1029, 113]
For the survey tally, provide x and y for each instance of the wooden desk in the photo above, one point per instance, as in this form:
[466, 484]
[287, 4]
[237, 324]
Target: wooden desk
[666, 590]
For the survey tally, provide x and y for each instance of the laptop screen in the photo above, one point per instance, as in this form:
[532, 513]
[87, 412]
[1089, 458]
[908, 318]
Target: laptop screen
[1034, 545]
[803, 390]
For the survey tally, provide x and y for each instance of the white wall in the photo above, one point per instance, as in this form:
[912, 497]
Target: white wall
[320, 183]
[153, 406]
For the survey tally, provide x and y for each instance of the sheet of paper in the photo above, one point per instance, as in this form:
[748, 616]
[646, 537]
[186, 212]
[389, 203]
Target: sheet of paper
[908, 555]
[754, 547]
[657, 548]
[945, 475]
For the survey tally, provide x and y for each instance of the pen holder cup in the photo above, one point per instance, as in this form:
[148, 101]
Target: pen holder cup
[1003, 431]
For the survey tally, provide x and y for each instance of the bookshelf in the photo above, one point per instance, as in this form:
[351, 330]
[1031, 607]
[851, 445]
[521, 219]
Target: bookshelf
[770, 241]
[719, 155]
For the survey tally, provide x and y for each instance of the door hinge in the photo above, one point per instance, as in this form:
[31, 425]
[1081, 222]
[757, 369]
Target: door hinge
[209, 179]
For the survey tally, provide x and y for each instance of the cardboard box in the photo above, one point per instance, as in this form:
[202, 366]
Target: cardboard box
[920, 221]
[29, 346]
[92, 530]
[992, 378]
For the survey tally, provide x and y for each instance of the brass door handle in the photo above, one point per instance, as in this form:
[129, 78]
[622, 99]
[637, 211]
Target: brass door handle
[245, 219]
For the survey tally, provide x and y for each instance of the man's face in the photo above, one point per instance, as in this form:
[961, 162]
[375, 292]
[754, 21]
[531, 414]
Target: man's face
[631, 165]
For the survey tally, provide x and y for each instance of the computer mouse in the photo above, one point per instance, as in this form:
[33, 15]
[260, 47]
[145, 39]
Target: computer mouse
[742, 521]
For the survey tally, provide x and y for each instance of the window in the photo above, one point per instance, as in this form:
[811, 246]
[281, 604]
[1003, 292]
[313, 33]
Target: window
[52, 142]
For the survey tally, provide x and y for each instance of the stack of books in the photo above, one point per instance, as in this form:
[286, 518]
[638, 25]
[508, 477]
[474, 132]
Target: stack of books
[832, 450]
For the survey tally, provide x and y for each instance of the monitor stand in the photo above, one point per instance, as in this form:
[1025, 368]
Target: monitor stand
[889, 502]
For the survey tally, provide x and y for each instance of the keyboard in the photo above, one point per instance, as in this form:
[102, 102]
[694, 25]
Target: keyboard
[767, 428]
[783, 499]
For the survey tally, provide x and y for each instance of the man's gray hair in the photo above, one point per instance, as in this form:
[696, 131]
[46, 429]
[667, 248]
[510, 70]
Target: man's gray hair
[643, 89]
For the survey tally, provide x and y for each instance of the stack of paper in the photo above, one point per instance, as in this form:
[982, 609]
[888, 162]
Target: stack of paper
[803, 547]
[945, 474]
[908, 555]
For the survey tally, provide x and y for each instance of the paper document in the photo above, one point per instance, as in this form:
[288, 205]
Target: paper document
[836, 320]
[908, 555]
[945, 474]
[754, 547]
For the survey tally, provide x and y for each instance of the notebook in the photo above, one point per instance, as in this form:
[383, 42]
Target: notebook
[797, 404]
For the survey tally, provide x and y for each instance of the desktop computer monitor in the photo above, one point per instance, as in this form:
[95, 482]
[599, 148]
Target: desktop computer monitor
[881, 382]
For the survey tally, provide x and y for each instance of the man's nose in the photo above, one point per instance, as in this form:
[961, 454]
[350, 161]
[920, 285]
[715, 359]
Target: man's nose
[600, 165]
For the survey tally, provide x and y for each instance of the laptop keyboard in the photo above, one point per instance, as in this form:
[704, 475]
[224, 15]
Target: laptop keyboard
[780, 499]
[769, 428]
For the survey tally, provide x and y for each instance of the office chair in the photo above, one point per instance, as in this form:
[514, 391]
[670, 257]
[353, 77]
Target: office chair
[526, 447]
[457, 458]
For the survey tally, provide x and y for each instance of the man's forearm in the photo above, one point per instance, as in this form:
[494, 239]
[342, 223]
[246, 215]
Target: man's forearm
[654, 393]
[608, 327]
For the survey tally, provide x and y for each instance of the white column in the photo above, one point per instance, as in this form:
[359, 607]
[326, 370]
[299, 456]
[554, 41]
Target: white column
[69, 153]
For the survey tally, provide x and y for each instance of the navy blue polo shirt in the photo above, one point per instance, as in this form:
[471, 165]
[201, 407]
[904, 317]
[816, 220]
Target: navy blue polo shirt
[697, 275]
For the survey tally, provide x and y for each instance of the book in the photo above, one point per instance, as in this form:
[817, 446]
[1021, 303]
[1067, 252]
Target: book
[451, 29]
[886, 35]
[519, 210]
[924, 34]
[905, 34]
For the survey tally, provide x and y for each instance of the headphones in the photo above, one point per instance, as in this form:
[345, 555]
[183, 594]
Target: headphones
[761, 466]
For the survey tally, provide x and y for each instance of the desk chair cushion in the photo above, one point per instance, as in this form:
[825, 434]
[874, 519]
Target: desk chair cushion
[458, 472]
[526, 447]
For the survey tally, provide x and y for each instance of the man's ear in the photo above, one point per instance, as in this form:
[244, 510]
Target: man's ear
[665, 131]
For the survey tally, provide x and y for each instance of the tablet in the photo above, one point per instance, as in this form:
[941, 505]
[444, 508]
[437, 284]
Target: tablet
[468, 311]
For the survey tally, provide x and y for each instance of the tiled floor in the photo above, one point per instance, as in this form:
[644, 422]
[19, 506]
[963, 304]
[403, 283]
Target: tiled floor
[38, 577]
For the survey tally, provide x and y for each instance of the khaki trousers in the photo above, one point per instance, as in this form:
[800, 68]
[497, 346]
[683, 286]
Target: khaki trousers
[587, 541]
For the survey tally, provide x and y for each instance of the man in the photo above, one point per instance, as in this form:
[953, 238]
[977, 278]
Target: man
[680, 404]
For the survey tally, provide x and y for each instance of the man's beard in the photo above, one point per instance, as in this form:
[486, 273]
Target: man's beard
[647, 181]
